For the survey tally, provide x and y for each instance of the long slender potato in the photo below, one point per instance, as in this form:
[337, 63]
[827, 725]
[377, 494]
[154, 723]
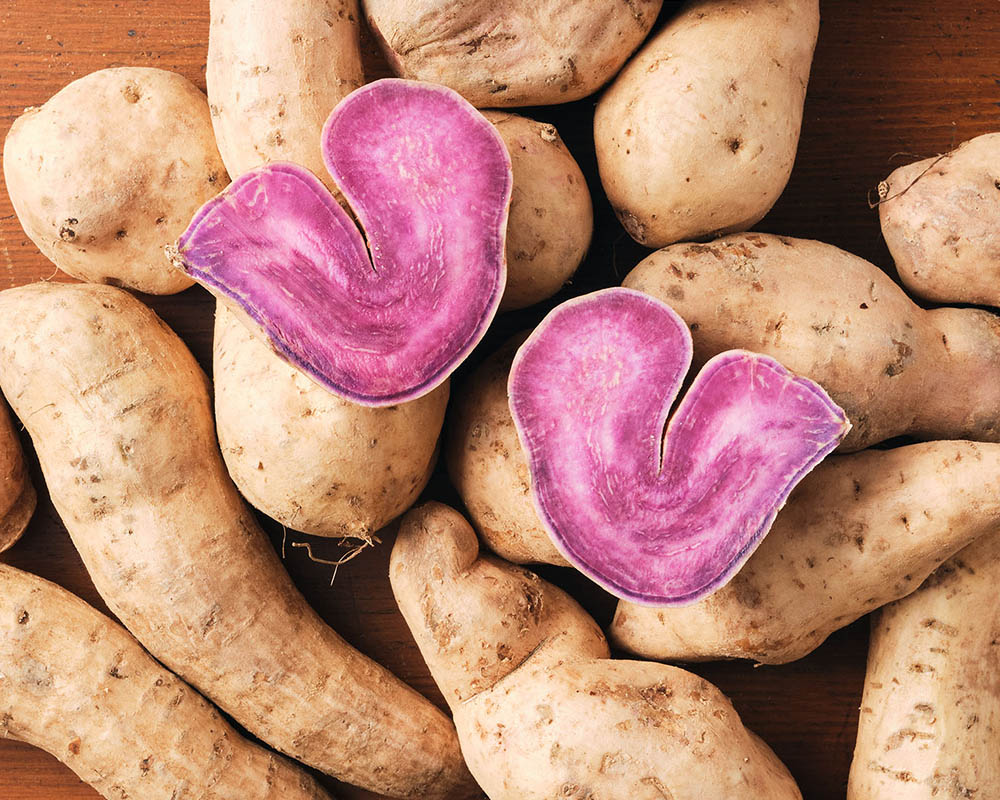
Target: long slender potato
[121, 419]
[930, 714]
[75, 684]
[17, 495]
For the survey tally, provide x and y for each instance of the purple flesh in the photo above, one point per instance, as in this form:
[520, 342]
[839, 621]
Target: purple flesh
[429, 180]
[590, 392]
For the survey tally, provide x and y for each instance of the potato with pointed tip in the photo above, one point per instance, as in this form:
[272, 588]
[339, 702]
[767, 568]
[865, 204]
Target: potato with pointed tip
[17, 495]
[698, 133]
[77, 685]
[859, 532]
[541, 709]
[930, 713]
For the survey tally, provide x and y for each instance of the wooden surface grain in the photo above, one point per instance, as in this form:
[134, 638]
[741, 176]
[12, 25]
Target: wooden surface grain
[891, 82]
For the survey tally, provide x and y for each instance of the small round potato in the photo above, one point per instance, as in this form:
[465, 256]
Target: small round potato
[110, 170]
[17, 495]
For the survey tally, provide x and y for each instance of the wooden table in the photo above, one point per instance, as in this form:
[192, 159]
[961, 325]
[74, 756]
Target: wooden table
[891, 82]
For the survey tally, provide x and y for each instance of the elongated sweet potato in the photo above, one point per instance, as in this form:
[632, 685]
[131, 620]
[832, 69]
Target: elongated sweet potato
[698, 133]
[75, 684]
[276, 68]
[514, 53]
[893, 367]
[108, 172]
[121, 419]
[17, 495]
[311, 460]
[860, 531]
[542, 711]
[930, 713]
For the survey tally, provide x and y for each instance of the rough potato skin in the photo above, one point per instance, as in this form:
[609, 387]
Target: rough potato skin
[75, 684]
[542, 711]
[17, 495]
[697, 134]
[120, 416]
[551, 217]
[488, 467]
[893, 367]
[513, 53]
[860, 531]
[276, 69]
[939, 219]
[930, 713]
[307, 458]
[110, 171]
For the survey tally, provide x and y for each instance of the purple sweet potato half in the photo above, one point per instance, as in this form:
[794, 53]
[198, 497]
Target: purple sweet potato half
[658, 518]
[429, 181]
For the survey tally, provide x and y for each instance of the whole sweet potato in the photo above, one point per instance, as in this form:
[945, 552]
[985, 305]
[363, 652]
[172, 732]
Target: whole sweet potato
[109, 171]
[75, 684]
[698, 133]
[17, 495]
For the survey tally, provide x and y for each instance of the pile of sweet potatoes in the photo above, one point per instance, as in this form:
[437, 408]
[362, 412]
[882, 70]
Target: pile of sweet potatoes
[751, 442]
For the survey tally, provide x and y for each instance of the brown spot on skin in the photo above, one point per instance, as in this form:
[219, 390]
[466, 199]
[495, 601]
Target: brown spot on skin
[863, 306]
[131, 92]
[675, 293]
[121, 234]
[66, 232]
[146, 764]
[22, 618]
[74, 747]
[734, 144]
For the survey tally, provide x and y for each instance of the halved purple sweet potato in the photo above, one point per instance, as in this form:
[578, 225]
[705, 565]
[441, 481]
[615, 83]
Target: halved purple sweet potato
[658, 518]
[429, 180]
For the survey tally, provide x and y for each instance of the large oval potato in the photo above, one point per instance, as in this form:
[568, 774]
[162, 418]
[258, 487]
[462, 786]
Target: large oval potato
[698, 133]
[499, 55]
[110, 171]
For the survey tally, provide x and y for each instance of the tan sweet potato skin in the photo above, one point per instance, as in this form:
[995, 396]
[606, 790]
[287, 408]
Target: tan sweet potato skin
[488, 467]
[307, 458]
[499, 55]
[542, 711]
[939, 219]
[893, 367]
[110, 170]
[551, 218]
[17, 495]
[697, 134]
[121, 419]
[276, 69]
[77, 685]
[930, 713]
[858, 532]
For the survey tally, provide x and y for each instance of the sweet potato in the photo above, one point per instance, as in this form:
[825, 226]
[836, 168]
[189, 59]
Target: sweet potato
[307, 458]
[120, 416]
[939, 218]
[893, 367]
[697, 135]
[542, 711]
[860, 531]
[930, 713]
[276, 68]
[75, 684]
[17, 495]
[499, 55]
[109, 171]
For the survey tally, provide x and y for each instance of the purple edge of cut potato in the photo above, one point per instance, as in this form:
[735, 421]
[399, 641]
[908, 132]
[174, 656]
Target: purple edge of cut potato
[714, 364]
[311, 183]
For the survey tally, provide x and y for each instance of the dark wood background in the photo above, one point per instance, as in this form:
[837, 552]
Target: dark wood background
[891, 82]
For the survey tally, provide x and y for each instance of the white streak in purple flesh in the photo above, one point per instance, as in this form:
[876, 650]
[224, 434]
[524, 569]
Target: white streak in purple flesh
[658, 518]
[429, 181]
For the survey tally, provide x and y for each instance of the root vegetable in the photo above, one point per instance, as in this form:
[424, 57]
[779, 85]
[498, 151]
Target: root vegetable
[861, 531]
[697, 135]
[893, 367]
[307, 458]
[17, 495]
[940, 219]
[658, 517]
[75, 684]
[109, 171]
[429, 180]
[514, 53]
[121, 419]
[541, 710]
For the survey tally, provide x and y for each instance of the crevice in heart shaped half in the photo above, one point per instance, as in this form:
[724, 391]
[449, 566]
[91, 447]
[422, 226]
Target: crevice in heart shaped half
[383, 317]
[659, 513]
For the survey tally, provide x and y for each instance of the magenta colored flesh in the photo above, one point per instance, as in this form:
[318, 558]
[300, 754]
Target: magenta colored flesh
[590, 392]
[429, 180]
